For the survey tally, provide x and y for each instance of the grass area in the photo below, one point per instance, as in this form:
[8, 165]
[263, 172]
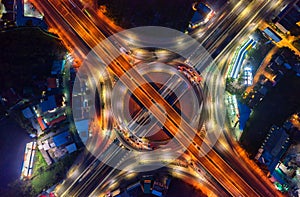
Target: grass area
[39, 164]
[45, 176]
[279, 103]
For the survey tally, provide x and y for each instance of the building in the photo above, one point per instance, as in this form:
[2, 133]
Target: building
[288, 18]
[263, 90]
[279, 60]
[52, 83]
[42, 123]
[156, 192]
[203, 9]
[158, 189]
[62, 139]
[82, 127]
[44, 152]
[133, 186]
[46, 145]
[56, 120]
[203, 13]
[280, 156]
[287, 125]
[196, 19]
[53, 148]
[28, 15]
[27, 113]
[296, 68]
[45, 106]
[28, 160]
[147, 186]
[81, 99]
[48, 104]
[275, 145]
[57, 67]
[270, 34]
[71, 148]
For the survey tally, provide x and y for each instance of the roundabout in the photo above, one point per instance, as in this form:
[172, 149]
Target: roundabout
[178, 83]
[151, 105]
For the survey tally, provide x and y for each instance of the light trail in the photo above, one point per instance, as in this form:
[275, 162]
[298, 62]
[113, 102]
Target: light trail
[192, 149]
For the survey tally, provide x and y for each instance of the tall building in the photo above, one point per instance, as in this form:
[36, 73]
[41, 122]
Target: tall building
[275, 145]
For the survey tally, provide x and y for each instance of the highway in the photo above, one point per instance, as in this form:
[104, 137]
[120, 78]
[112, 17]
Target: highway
[75, 24]
[213, 163]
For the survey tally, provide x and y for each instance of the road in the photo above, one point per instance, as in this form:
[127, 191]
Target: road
[213, 163]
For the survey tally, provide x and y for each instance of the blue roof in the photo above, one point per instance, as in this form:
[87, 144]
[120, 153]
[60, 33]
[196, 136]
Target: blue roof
[275, 147]
[57, 66]
[244, 112]
[197, 17]
[62, 138]
[270, 161]
[156, 193]
[276, 141]
[131, 187]
[147, 187]
[203, 8]
[279, 176]
[82, 127]
[272, 34]
[71, 148]
[48, 104]
[27, 113]
[21, 20]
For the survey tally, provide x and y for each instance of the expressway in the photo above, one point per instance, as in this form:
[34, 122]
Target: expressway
[213, 163]
[188, 139]
[74, 24]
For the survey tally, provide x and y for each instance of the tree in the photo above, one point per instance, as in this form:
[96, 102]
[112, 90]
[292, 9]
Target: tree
[19, 188]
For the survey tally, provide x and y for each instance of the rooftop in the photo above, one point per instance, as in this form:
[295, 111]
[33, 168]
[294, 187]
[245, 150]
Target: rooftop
[48, 104]
[62, 138]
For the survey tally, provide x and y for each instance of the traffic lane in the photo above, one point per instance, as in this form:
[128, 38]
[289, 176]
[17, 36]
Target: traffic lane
[53, 18]
[241, 168]
[95, 169]
[219, 175]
